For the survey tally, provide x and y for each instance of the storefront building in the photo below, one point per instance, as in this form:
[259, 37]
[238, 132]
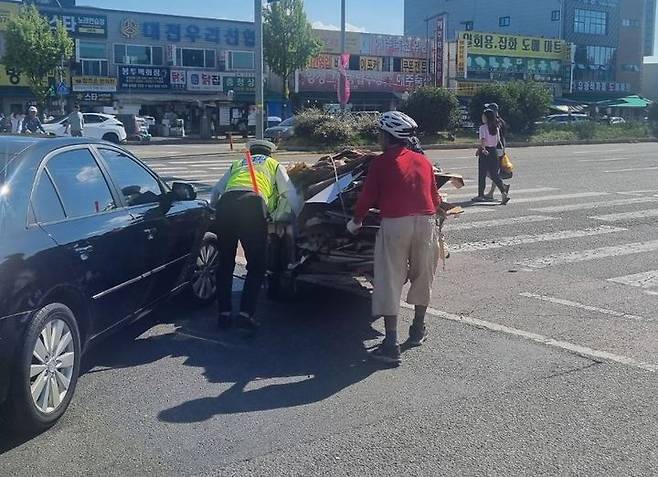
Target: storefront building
[153, 64]
[609, 36]
[381, 69]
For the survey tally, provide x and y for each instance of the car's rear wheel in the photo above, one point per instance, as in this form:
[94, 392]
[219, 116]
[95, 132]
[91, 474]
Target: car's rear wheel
[111, 137]
[203, 283]
[47, 370]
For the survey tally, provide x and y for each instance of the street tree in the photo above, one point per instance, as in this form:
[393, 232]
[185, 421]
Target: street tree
[288, 39]
[34, 49]
[434, 109]
[652, 114]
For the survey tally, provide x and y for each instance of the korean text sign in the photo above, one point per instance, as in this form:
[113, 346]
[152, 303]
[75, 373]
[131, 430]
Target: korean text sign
[512, 45]
[143, 78]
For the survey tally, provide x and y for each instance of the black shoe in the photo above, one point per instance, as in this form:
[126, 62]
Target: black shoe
[417, 335]
[247, 323]
[224, 321]
[385, 353]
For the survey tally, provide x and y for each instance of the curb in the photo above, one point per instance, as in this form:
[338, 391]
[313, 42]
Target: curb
[475, 145]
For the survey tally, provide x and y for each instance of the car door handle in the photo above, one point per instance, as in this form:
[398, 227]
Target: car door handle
[83, 251]
[150, 233]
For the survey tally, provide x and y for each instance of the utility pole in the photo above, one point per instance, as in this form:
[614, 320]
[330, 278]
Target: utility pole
[258, 56]
[343, 35]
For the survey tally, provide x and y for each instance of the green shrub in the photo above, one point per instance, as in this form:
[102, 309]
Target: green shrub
[653, 117]
[521, 103]
[585, 130]
[434, 109]
[554, 134]
[333, 131]
[367, 129]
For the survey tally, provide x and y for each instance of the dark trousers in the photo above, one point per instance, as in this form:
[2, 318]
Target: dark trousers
[241, 217]
[489, 164]
[76, 133]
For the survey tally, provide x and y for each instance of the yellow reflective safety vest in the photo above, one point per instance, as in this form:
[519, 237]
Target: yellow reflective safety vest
[265, 170]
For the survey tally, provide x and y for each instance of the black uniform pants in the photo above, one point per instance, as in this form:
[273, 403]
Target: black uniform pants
[241, 217]
[489, 164]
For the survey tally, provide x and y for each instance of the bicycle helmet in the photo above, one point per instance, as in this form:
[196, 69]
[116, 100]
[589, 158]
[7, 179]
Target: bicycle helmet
[398, 124]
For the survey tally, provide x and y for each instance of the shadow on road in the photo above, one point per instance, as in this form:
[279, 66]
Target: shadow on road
[305, 352]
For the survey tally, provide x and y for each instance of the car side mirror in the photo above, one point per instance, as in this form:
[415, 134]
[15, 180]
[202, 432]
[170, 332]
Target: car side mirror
[183, 191]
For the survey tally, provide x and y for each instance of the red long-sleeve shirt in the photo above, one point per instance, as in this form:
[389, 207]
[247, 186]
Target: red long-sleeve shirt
[400, 183]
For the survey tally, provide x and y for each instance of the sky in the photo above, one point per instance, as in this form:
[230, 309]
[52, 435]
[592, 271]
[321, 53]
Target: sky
[373, 16]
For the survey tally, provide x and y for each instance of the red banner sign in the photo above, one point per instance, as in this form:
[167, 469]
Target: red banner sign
[361, 81]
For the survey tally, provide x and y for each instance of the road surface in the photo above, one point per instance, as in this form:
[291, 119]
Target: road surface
[542, 359]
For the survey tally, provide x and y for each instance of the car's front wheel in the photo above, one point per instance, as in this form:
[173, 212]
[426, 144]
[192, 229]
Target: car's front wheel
[47, 369]
[203, 283]
[111, 137]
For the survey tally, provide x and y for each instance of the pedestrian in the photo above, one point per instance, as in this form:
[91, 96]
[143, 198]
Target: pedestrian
[76, 122]
[244, 202]
[401, 184]
[501, 147]
[488, 162]
[17, 122]
[32, 124]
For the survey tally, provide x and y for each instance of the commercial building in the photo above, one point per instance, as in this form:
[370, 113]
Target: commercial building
[381, 69]
[154, 64]
[650, 81]
[609, 36]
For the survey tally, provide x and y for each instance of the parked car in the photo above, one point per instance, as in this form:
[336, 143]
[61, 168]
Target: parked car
[90, 240]
[97, 126]
[565, 118]
[616, 120]
[284, 130]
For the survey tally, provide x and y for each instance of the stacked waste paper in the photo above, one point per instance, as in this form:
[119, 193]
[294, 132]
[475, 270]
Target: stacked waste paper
[330, 189]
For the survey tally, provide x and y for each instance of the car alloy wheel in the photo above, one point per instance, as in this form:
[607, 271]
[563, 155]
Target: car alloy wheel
[204, 283]
[52, 367]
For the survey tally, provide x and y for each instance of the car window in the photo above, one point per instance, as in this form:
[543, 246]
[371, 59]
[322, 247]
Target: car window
[136, 184]
[93, 118]
[80, 183]
[288, 122]
[45, 202]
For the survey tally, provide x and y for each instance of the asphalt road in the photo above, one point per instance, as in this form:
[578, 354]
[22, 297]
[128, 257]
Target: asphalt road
[542, 360]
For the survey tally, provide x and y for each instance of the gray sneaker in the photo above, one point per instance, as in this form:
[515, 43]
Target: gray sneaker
[417, 335]
[385, 353]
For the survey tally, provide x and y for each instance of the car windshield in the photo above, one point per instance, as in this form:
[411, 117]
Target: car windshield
[288, 122]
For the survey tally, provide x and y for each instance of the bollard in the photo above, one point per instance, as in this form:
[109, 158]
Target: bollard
[230, 140]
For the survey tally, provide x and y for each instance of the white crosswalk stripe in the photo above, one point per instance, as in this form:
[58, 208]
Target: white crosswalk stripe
[518, 191]
[640, 214]
[594, 205]
[641, 280]
[499, 222]
[546, 198]
[592, 254]
[530, 239]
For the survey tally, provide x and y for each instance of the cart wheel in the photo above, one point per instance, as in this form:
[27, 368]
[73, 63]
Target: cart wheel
[282, 287]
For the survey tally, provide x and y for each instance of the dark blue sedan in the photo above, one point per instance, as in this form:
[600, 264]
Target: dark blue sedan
[90, 240]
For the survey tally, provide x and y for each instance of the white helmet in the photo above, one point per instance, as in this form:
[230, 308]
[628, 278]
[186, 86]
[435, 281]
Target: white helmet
[33, 109]
[398, 124]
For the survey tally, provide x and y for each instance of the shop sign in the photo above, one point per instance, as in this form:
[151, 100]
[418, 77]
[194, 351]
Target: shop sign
[370, 63]
[143, 78]
[98, 84]
[361, 81]
[439, 50]
[239, 84]
[602, 87]
[10, 77]
[324, 62]
[6, 11]
[413, 65]
[462, 71]
[469, 88]
[513, 45]
[203, 81]
[393, 45]
[507, 64]
[96, 99]
[178, 79]
[79, 26]
[228, 34]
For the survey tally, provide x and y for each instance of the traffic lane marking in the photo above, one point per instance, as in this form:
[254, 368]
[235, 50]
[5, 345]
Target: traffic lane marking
[579, 195]
[501, 222]
[637, 169]
[585, 352]
[531, 239]
[588, 255]
[639, 214]
[641, 280]
[594, 205]
[581, 306]
[516, 191]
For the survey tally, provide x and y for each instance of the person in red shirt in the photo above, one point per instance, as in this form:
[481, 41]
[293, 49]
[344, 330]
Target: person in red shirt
[401, 184]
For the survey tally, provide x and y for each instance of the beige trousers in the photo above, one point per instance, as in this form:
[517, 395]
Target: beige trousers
[406, 248]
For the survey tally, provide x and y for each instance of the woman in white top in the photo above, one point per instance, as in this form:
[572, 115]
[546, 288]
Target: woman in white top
[488, 157]
[16, 122]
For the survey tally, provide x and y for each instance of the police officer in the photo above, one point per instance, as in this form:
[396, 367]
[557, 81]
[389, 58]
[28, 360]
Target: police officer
[242, 211]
